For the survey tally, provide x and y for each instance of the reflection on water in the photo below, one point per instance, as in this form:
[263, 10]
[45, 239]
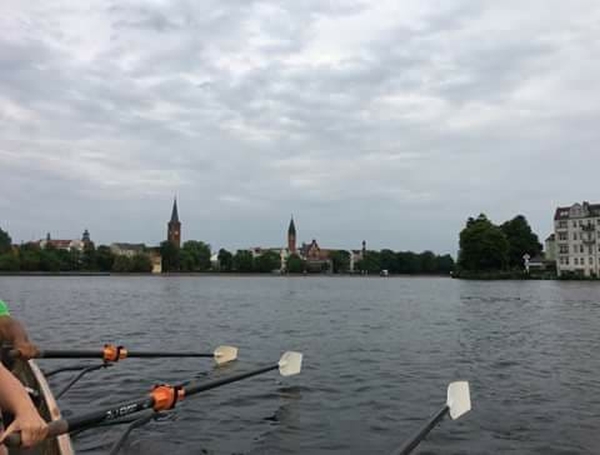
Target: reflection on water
[378, 356]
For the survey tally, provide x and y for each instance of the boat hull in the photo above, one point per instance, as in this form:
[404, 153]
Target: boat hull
[31, 376]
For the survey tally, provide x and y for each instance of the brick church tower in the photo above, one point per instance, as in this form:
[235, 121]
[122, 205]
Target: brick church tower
[174, 227]
[292, 237]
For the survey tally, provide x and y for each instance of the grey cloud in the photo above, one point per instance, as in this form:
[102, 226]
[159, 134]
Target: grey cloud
[419, 123]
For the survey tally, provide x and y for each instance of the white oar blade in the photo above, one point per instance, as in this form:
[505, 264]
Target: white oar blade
[290, 363]
[459, 399]
[225, 354]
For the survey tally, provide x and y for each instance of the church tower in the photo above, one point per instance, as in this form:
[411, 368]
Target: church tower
[174, 227]
[292, 237]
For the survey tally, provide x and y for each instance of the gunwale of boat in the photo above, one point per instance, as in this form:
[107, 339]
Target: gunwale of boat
[31, 376]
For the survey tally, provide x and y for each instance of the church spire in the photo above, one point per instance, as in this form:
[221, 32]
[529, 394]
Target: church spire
[174, 227]
[174, 213]
[292, 236]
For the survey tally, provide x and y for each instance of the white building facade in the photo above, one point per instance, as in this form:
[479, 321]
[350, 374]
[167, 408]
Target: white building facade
[577, 234]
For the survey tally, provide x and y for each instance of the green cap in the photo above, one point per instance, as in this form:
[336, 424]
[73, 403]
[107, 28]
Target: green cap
[4, 309]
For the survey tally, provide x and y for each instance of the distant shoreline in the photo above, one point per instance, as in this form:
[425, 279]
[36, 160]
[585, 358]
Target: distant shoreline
[215, 274]
[463, 277]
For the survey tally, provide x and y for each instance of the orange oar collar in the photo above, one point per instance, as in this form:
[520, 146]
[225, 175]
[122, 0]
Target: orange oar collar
[165, 396]
[114, 353]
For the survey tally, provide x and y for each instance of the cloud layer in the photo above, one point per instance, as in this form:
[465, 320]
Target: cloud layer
[386, 121]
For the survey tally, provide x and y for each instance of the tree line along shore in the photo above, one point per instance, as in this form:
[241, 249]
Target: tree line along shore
[195, 257]
[486, 251]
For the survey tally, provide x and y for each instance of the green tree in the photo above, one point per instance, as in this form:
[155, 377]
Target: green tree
[340, 260]
[104, 258]
[445, 264]
[75, 259]
[196, 255]
[407, 263]
[89, 257]
[243, 261]
[141, 263]
[49, 260]
[370, 263]
[5, 242]
[428, 262]
[9, 262]
[483, 246]
[29, 258]
[122, 264]
[268, 262]
[295, 264]
[225, 260]
[388, 260]
[521, 240]
[64, 259]
[186, 261]
[170, 256]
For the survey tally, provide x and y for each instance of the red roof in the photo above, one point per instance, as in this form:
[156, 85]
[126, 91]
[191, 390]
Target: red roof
[60, 243]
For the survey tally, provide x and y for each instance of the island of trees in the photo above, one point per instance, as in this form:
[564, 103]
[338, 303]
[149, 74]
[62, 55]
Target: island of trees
[496, 251]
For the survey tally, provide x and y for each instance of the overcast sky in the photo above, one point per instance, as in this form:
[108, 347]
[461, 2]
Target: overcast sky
[389, 121]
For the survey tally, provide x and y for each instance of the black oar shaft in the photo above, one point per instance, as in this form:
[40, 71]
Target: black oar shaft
[150, 355]
[99, 354]
[196, 388]
[413, 442]
[108, 414]
[68, 354]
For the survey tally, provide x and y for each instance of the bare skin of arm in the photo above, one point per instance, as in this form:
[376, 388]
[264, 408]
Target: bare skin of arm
[15, 399]
[12, 332]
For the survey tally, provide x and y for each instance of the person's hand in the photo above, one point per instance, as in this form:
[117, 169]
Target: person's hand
[27, 350]
[32, 427]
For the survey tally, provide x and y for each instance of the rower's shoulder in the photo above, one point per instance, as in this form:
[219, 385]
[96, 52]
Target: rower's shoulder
[4, 311]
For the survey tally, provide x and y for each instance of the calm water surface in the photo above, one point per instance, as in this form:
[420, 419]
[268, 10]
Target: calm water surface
[378, 356]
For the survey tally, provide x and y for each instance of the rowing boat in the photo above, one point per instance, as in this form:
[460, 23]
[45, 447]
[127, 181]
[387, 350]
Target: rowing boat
[32, 377]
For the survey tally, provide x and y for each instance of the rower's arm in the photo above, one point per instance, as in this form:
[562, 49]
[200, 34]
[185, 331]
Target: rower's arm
[27, 420]
[14, 397]
[12, 332]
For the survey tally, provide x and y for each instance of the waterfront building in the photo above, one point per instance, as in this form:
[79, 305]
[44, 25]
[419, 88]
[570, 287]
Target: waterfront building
[155, 258]
[576, 230]
[127, 249]
[85, 238]
[317, 259]
[357, 256]
[61, 244]
[174, 227]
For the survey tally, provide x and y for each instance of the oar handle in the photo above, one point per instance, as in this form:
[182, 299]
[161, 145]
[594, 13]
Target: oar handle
[55, 428]
[66, 354]
[110, 353]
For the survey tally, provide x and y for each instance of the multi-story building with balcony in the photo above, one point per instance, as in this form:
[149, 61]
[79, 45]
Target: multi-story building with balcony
[577, 237]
